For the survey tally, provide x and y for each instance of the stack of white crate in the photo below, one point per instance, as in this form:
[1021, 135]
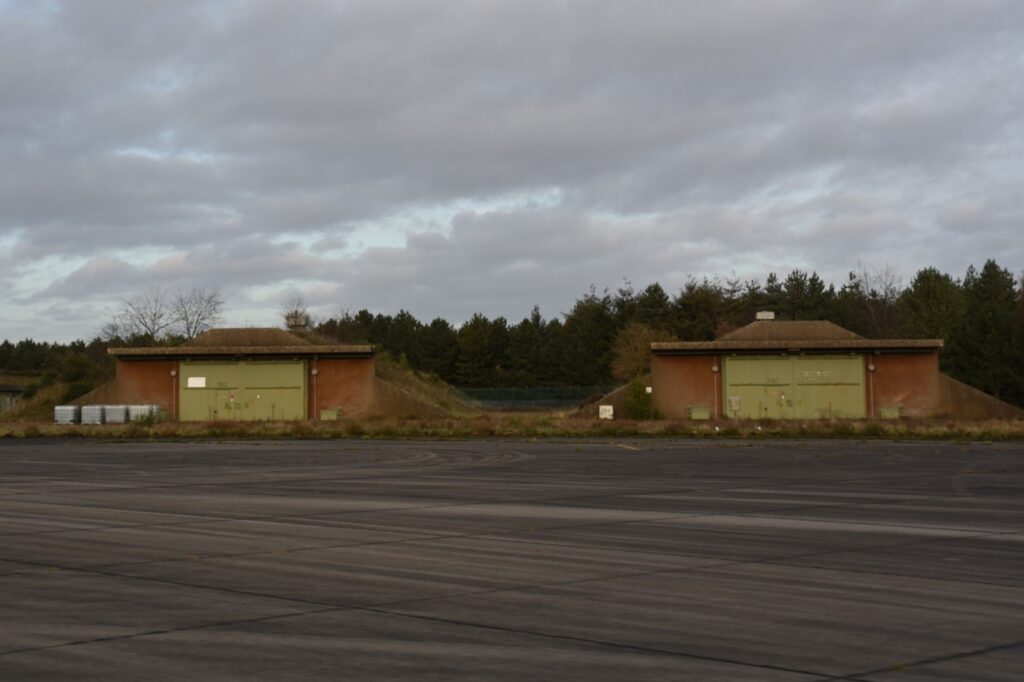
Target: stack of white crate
[115, 414]
[66, 414]
[92, 414]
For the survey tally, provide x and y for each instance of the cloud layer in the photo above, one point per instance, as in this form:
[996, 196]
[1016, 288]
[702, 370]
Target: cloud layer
[448, 158]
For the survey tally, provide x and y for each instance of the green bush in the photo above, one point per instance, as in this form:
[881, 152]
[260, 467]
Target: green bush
[638, 400]
[147, 420]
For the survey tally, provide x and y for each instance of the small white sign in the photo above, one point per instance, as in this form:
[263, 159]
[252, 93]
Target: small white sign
[197, 382]
[650, 389]
[606, 411]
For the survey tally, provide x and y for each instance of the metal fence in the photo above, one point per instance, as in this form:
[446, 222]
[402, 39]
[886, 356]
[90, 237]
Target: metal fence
[534, 398]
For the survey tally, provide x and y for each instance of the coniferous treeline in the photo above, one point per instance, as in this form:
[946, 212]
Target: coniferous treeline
[79, 365]
[979, 316]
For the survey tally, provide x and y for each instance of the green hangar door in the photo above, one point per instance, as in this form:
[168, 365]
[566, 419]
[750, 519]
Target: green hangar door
[243, 391]
[794, 387]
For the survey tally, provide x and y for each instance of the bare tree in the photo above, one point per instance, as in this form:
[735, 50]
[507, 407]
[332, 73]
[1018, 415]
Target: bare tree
[632, 349]
[111, 329]
[147, 314]
[154, 314]
[882, 289]
[195, 311]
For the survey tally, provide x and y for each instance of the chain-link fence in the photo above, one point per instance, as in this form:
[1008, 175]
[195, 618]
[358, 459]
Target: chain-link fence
[534, 398]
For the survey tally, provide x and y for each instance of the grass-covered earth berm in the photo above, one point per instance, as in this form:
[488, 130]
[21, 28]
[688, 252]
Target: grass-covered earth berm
[528, 425]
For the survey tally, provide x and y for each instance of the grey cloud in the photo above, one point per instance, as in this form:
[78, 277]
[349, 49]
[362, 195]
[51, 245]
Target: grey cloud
[677, 139]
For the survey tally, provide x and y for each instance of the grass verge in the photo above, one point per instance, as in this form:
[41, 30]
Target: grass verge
[530, 425]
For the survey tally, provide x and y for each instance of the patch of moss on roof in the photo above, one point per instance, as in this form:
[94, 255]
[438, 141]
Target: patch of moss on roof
[240, 337]
[790, 330]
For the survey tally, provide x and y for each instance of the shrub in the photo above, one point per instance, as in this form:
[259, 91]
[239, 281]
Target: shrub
[136, 430]
[638, 400]
[873, 430]
[147, 420]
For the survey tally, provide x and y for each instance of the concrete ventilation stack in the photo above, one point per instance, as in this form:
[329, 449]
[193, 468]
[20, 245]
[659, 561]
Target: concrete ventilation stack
[297, 321]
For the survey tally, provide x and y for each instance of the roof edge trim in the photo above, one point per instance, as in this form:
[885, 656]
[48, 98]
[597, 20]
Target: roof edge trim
[265, 351]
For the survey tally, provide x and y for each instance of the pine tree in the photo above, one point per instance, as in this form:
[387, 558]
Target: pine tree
[986, 349]
[525, 350]
[774, 295]
[588, 336]
[552, 351]
[624, 304]
[476, 364]
[699, 310]
[402, 337]
[931, 307]
[849, 309]
[498, 340]
[654, 309]
[438, 349]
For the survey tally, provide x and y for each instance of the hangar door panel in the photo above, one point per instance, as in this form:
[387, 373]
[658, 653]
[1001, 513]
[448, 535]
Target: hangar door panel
[830, 387]
[243, 391]
[794, 387]
[204, 387]
[758, 387]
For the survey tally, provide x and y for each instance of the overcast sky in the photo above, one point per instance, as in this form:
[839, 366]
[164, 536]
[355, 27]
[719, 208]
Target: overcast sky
[453, 157]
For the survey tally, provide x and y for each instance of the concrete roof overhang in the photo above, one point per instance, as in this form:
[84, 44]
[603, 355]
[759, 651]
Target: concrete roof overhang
[266, 352]
[815, 346]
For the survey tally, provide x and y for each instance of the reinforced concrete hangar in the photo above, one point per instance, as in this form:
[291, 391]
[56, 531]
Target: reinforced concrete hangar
[773, 369]
[248, 374]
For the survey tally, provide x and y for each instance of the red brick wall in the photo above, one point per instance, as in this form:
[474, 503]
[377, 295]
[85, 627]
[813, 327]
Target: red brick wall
[957, 399]
[679, 382]
[147, 382]
[344, 384]
[910, 380]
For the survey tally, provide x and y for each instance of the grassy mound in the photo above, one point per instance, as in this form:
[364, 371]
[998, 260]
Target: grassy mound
[438, 397]
[37, 408]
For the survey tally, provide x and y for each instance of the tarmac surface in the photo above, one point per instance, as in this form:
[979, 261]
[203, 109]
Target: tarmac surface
[508, 560]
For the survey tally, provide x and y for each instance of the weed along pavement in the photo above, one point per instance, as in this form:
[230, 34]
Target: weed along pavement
[511, 560]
